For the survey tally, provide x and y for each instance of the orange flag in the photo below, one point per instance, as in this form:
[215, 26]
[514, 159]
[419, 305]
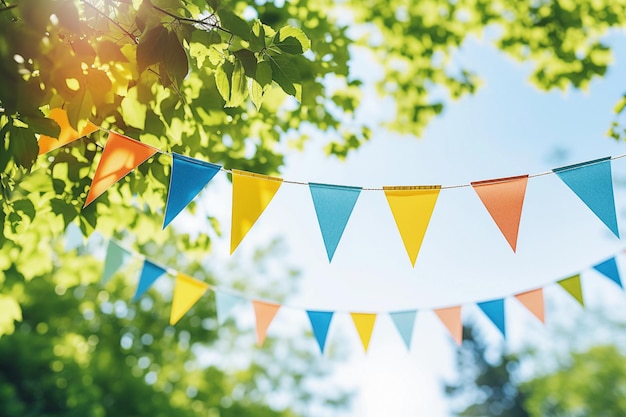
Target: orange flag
[120, 156]
[251, 195]
[412, 208]
[533, 301]
[67, 134]
[364, 323]
[451, 318]
[187, 291]
[264, 313]
[503, 198]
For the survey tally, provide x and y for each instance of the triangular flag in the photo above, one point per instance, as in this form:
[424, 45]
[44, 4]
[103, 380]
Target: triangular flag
[224, 304]
[67, 134]
[364, 323]
[120, 156]
[495, 311]
[573, 287]
[149, 273]
[404, 321]
[609, 269]
[115, 257]
[188, 178]
[451, 318]
[533, 301]
[504, 198]
[187, 291]
[251, 195]
[412, 208]
[320, 322]
[593, 184]
[333, 206]
[264, 313]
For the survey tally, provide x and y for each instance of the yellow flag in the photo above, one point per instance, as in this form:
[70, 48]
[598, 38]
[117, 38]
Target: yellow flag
[364, 324]
[251, 195]
[187, 291]
[412, 208]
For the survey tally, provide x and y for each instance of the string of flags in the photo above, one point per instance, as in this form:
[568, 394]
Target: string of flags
[410, 206]
[188, 291]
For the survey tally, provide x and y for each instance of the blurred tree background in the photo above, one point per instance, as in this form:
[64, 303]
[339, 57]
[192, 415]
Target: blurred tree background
[573, 376]
[231, 82]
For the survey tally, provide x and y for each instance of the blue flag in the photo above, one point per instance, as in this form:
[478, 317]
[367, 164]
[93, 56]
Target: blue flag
[593, 184]
[149, 273]
[333, 206]
[116, 257]
[320, 322]
[404, 321]
[609, 269]
[495, 311]
[188, 177]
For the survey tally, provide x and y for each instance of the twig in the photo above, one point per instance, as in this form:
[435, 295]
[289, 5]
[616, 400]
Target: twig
[120, 27]
[7, 7]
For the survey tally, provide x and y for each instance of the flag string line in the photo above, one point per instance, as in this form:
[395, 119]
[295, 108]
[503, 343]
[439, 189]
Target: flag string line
[244, 297]
[442, 187]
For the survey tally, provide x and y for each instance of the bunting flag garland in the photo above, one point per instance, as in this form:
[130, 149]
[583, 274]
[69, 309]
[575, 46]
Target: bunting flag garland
[592, 182]
[115, 257]
[333, 206]
[251, 195]
[224, 304]
[504, 198]
[320, 323]
[451, 318]
[187, 291]
[404, 322]
[188, 178]
[120, 156]
[533, 301]
[494, 310]
[573, 287]
[364, 323]
[67, 133]
[149, 274]
[412, 208]
[609, 269]
[264, 313]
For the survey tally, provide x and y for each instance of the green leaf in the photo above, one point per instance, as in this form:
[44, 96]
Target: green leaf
[285, 74]
[238, 92]
[67, 211]
[26, 207]
[175, 58]
[133, 112]
[261, 82]
[292, 41]
[257, 36]
[248, 60]
[234, 24]
[150, 49]
[23, 146]
[213, 4]
[43, 126]
[80, 108]
[223, 76]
